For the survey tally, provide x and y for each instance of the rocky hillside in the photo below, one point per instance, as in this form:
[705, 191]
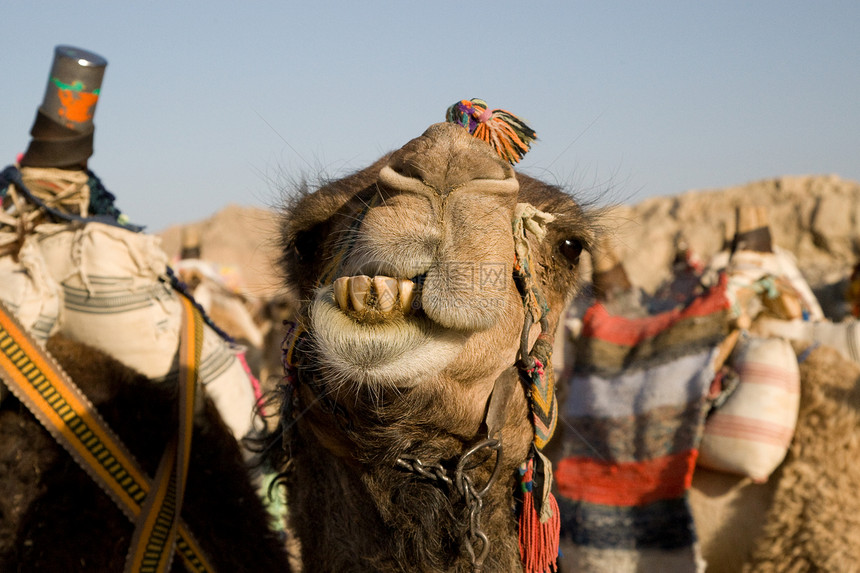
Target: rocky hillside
[817, 218]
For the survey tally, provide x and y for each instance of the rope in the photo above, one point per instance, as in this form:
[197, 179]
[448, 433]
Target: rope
[183, 290]
[104, 203]
[539, 520]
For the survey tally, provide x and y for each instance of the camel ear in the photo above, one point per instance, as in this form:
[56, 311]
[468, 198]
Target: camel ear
[310, 207]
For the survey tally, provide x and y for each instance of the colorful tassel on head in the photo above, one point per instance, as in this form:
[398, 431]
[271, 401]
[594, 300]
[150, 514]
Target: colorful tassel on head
[505, 132]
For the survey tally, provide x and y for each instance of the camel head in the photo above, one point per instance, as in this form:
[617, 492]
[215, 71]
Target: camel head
[407, 268]
[423, 281]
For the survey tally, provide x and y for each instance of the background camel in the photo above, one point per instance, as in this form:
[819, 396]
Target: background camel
[54, 518]
[798, 517]
[410, 315]
[805, 518]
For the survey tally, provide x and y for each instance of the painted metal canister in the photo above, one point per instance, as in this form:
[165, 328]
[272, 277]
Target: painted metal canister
[62, 134]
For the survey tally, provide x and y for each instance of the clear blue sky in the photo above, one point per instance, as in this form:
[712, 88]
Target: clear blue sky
[209, 103]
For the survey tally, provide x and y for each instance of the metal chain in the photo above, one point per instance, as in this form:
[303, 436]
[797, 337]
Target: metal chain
[475, 499]
[476, 535]
[429, 471]
[473, 496]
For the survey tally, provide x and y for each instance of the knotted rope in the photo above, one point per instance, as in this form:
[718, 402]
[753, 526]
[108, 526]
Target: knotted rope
[539, 520]
[33, 195]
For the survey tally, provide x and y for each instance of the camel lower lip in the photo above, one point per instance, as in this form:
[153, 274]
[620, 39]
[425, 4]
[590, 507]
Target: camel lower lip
[400, 351]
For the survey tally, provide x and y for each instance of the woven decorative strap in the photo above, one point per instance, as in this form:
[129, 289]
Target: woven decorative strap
[38, 381]
[539, 521]
[543, 402]
[527, 221]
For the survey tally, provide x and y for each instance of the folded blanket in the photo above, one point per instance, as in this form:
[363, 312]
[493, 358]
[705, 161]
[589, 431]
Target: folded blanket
[631, 426]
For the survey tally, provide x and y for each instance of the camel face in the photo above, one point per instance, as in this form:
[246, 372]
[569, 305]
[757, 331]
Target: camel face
[415, 278]
[407, 267]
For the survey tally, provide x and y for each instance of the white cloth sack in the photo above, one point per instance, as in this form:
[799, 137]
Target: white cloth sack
[750, 433]
[28, 290]
[747, 267]
[114, 300]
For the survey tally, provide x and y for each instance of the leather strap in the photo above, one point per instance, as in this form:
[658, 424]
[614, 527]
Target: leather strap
[497, 407]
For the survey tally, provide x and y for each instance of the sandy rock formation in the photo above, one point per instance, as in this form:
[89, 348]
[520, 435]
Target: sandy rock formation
[815, 217]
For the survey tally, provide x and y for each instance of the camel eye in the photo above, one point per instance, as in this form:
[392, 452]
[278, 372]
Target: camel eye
[305, 246]
[571, 249]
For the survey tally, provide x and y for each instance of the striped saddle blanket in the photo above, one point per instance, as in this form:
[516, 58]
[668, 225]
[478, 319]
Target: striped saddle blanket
[632, 423]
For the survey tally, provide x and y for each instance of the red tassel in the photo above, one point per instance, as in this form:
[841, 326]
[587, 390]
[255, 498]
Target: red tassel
[538, 541]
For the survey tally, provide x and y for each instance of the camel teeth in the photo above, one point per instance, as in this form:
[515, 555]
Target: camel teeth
[359, 288]
[341, 294]
[354, 293]
[386, 293]
[406, 288]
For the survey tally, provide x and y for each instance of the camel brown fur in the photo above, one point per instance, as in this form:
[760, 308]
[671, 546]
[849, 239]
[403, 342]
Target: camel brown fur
[53, 517]
[378, 383]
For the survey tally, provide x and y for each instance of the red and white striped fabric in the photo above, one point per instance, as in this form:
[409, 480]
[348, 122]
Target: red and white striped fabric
[750, 433]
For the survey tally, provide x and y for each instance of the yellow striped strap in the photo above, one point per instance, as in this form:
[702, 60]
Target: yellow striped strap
[152, 544]
[40, 383]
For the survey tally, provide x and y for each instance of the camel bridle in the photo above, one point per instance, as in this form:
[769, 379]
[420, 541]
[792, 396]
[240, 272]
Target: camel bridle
[476, 541]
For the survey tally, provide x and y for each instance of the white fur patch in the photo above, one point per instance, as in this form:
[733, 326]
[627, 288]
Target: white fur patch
[402, 352]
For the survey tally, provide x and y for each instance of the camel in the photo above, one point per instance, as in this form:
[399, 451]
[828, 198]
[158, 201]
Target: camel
[801, 517]
[220, 291]
[230, 310]
[805, 517]
[53, 517]
[47, 497]
[403, 356]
